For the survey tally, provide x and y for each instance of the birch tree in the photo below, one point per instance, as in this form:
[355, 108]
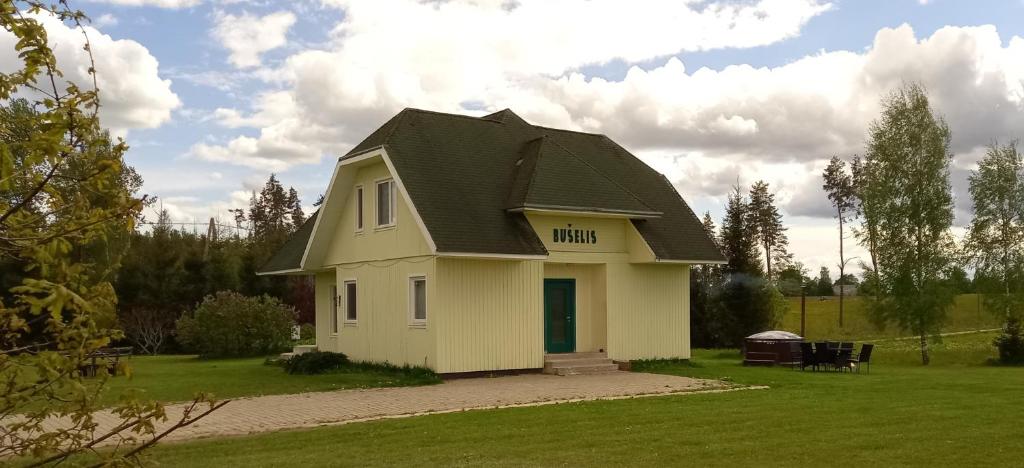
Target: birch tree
[906, 188]
[995, 238]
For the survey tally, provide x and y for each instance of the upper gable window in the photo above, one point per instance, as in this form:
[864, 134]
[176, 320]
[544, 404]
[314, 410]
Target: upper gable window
[386, 203]
[359, 208]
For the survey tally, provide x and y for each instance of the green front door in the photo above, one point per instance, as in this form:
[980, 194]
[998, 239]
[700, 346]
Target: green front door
[559, 315]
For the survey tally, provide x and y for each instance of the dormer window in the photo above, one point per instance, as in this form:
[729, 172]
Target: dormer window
[386, 203]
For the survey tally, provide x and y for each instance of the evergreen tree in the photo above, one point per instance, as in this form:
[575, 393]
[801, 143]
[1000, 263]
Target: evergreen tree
[766, 227]
[906, 189]
[736, 240]
[704, 282]
[839, 187]
[823, 286]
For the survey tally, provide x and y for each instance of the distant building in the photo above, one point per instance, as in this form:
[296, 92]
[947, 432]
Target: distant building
[851, 289]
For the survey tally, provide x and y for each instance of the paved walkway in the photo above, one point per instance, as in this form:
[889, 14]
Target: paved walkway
[276, 412]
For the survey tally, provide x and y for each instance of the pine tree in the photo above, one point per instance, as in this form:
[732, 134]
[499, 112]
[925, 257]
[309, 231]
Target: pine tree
[295, 214]
[735, 239]
[839, 187]
[766, 227]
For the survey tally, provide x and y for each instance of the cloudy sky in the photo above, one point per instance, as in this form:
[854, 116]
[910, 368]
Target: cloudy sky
[213, 96]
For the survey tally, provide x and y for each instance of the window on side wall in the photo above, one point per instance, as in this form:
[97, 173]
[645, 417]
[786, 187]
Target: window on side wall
[359, 208]
[351, 310]
[334, 309]
[386, 203]
[418, 300]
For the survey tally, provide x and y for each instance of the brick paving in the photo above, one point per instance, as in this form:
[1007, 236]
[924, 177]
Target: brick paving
[276, 412]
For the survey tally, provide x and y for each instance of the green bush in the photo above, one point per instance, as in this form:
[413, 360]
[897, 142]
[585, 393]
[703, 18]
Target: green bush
[307, 332]
[316, 362]
[1011, 343]
[229, 324]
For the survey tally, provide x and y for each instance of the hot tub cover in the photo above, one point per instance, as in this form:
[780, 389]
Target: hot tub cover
[775, 335]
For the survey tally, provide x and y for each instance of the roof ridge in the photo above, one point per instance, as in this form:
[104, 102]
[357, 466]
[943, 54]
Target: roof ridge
[564, 130]
[446, 114]
[602, 174]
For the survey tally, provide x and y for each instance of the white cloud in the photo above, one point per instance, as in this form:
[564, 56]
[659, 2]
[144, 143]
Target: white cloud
[104, 20]
[386, 55]
[248, 36]
[132, 94]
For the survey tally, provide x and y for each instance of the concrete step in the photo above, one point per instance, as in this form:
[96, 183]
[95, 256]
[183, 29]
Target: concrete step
[574, 356]
[576, 362]
[586, 370]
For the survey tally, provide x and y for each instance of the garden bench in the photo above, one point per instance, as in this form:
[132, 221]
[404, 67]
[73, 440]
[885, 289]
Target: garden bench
[106, 357]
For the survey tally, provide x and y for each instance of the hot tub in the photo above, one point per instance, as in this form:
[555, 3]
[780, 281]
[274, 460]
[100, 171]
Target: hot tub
[772, 347]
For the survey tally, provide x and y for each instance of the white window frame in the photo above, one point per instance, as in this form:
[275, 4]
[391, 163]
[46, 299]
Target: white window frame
[351, 321]
[360, 196]
[413, 321]
[334, 319]
[391, 198]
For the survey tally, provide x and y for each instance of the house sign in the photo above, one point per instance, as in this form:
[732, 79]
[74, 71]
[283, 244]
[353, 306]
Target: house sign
[570, 235]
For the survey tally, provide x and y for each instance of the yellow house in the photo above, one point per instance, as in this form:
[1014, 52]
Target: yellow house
[467, 244]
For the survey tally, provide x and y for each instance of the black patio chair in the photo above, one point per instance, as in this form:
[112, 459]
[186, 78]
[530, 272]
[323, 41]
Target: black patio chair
[807, 356]
[846, 345]
[843, 359]
[864, 358]
[822, 354]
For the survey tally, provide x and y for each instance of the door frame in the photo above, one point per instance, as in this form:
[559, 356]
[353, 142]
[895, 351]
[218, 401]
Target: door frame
[571, 319]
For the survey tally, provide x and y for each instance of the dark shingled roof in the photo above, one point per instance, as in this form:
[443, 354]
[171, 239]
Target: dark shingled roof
[289, 257]
[464, 173]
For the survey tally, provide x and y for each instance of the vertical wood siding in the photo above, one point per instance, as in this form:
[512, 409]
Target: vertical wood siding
[648, 311]
[491, 315]
[382, 332]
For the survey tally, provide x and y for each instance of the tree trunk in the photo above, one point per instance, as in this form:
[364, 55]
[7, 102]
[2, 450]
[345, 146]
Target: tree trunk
[925, 358]
[842, 270]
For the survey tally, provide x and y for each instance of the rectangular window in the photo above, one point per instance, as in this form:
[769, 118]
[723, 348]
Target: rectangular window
[334, 309]
[418, 300]
[351, 314]
[359, 208]
[386, 203]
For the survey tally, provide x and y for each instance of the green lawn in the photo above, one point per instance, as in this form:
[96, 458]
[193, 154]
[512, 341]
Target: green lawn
[955, 412]
[823, 318]
[178, 378]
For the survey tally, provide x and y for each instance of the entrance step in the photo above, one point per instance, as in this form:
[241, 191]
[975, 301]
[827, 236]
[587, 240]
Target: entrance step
[578, 363]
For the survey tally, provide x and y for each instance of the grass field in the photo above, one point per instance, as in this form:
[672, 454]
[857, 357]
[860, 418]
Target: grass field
[823, 318]
[957, 412]
[178, 378]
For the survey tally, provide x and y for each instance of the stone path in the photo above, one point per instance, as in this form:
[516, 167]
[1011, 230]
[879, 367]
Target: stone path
[276, 412]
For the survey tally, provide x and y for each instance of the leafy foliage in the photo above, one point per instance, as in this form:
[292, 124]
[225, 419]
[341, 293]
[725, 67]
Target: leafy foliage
[906, 188]
[229, 324]
[317, 362]
[995, 238]
[67, 205]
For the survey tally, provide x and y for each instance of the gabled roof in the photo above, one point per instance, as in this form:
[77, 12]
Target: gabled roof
[470, 177]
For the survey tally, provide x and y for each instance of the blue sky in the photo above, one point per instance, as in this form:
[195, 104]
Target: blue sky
[788, 84]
